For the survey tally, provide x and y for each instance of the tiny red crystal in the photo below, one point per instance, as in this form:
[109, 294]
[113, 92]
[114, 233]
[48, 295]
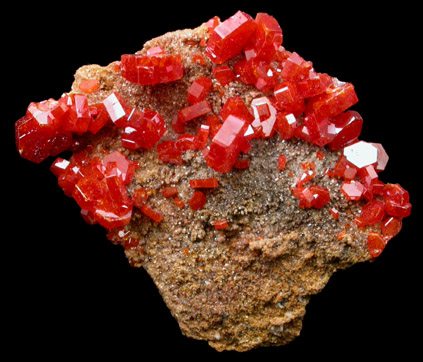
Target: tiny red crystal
[197, 200]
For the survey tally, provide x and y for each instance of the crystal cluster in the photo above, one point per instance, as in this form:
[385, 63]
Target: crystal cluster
[293, 101]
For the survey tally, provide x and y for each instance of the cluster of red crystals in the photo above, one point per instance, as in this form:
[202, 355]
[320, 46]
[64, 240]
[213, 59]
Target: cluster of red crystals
[153, 68]
[140, 128]
[98, 186]
[48, 127]
[311, 197]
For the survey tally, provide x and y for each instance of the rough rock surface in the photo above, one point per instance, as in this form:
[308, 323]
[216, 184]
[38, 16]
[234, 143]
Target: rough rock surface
[247, 285]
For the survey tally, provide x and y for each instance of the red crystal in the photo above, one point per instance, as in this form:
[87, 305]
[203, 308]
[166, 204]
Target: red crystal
[204, 183]
[371, 213]
[334, 212]
[382, 157]
[152, 214]
[295, 68]
[229, 37]
[312, 197]
[226, 144]
[117, 109]
[235, 106]
[353, 190]
[179, 203]
[199, 89]
[242, 163]
[77, 115]
[200, 141]
[219, 225]
[281, 162]
[336, 99]
[193, 111]
[197, 200]
[267, 38]
[169, 152]
[185, 142]
[314, 84]
[169, 191]
[59, 166]
[214, 124]
[142, 129]
[139, 197]
[286, 125]
[375, 244]
[397, 200]
[151, 69]
[264, 116]
[390, 227]
[287, 98]
[223, 74]
[89, 85]
[344, 169]
[348, 126]
[99, 117]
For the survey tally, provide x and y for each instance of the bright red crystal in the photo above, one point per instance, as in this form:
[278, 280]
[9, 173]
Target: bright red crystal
[336, 99]
[287, 98]
[204, 183]
[295, 68]
[382, 157]
[281, 162]
[286, 125]
[99, 117]
[312, 196]
[353, 190]
[169, 152]
[139, 197]
[348, 126]
[89, 85]
[169, 191]
[390, 227]
[199, 89]
[151, 69]
[152, 214]
[375, 244]
[179, 203]
[202, 137]
[142, 129]
[226, 144]
[235, 106]
[371, 213]
[229, 37]
[267, 37]
[197, 200]
[344, 169]
[117, 109]
[223, 74]
[185, 142]
[77, 115]
[214, 123]
[59, 166]
[264, 116]
[397, 200]
[314, 84]
[193, 111]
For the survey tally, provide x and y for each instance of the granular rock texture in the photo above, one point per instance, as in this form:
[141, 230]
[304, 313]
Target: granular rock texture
[245, 285]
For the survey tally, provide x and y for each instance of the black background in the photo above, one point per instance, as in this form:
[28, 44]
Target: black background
[70, 292]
